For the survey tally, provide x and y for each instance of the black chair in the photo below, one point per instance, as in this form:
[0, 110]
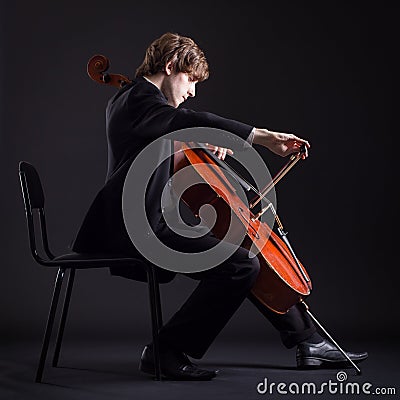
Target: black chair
[34, 200]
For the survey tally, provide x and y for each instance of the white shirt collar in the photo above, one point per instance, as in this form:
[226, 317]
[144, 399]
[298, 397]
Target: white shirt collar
[148, 80]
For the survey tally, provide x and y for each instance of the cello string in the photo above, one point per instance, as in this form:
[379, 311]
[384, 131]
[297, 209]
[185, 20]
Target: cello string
[223, 164]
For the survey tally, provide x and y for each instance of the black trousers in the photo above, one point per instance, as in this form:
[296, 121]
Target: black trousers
[219, 293]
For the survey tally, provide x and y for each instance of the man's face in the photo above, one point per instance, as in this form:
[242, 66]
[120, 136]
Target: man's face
[177, 87]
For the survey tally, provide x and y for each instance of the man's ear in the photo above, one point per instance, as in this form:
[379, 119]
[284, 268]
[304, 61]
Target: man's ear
[168, 68]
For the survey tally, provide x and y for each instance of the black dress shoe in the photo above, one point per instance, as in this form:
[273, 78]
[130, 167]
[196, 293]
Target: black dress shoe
[324, 355]
[175, 365]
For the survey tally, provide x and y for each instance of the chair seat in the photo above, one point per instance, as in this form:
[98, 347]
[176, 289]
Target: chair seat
[93, 260]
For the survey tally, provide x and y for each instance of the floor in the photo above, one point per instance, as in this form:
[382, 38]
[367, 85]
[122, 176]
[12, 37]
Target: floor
[105, 370]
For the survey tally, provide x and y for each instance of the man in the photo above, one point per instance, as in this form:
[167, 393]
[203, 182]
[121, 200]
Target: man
[137, 115]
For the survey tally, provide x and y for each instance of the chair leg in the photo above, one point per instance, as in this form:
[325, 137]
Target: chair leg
[155, 318]
[158, 305]
[63, 317]
[50, 323]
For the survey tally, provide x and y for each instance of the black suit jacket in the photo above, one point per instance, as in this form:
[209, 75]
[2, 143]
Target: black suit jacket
[135, 116]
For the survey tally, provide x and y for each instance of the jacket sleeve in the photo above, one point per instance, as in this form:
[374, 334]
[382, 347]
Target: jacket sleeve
[161, 119]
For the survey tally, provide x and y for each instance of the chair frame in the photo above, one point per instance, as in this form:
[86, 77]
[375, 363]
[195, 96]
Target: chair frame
[71, 264]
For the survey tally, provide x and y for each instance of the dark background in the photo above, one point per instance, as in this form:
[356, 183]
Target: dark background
[322, 70]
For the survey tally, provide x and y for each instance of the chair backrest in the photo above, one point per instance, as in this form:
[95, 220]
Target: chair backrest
[33, 196]
[32, 189]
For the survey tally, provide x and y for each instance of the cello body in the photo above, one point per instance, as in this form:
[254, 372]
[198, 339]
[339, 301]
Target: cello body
[280, 284]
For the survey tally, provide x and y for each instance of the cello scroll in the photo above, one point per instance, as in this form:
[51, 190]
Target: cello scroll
[96, 69]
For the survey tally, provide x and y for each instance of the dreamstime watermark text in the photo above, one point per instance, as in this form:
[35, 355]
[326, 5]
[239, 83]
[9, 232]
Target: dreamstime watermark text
[340, 386]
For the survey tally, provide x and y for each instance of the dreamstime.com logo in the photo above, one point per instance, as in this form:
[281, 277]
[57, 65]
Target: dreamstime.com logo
[338, 387]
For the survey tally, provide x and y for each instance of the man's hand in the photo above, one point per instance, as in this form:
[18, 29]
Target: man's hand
[280, 143]
[221, 152]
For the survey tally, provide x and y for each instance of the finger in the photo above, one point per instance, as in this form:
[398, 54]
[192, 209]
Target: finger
[223, 154]
[229, 151]
[304, 142]
[212, 148]
[298, 139]
[299, 147]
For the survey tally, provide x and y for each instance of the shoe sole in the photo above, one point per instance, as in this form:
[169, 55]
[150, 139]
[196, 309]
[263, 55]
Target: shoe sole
[149, 369]
[312, 362]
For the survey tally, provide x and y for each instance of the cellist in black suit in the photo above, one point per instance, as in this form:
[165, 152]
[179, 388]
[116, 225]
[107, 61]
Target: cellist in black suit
[137, 115]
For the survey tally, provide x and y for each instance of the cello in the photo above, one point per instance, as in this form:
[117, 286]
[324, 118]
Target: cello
[283, 280]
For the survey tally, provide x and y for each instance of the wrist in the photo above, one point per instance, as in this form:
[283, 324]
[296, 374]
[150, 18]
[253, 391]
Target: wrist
[263, 137]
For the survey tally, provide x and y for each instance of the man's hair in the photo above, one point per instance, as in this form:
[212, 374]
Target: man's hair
[182, 51]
